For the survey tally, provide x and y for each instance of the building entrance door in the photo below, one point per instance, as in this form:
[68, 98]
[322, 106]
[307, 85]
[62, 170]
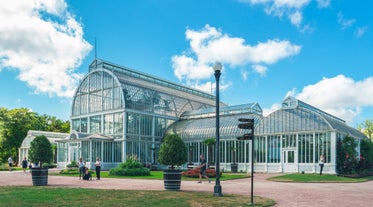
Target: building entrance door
[74, 152]
[289, 160]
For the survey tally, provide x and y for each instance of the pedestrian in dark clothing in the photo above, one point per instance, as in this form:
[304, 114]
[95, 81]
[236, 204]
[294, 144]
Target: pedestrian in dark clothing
[202, 169]
[98, 168]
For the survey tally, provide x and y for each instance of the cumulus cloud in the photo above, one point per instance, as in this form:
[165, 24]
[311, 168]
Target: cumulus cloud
[209, 45]
[340, 96]
[44, 43]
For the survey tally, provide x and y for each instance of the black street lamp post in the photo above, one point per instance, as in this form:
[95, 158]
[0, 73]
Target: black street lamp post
[217, 188]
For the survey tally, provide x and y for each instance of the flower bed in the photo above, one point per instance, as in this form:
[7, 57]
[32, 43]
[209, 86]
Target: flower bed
[194, 173]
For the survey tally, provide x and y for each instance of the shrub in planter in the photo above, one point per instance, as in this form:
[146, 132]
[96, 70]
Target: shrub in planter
[173, 152]
[40, 152]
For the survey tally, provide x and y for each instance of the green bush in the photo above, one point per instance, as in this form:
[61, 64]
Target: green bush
[72, 164]
[132, 167]
[49, 165]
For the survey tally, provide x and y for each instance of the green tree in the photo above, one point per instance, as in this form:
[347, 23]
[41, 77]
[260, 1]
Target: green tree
[347, 162]
[367, 128]
[210, 143]
[40, 150]
[15, 123]
[173, 151]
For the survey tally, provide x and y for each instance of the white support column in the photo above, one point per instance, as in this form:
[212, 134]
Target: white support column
[266, 154]
[333, 149]
[124, 147]
[315, 158]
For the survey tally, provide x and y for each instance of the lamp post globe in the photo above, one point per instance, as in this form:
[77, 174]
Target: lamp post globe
[217, 188]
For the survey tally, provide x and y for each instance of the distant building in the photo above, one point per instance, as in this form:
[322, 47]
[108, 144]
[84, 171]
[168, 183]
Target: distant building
[31, 134]
[117, 111]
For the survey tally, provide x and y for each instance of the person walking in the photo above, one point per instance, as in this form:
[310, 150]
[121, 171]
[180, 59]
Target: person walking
[81, 166]
[10, 163]
[24, 164]
[98, 168]
[321, 163]
[202, 169]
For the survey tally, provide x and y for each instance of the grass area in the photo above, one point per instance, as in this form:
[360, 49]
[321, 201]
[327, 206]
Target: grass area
[316, 178]
[158, 175]
[46, 196]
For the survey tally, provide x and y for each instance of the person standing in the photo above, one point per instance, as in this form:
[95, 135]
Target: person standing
[202, 169]
[98, 168]
[81, 166]
[10, 163]
[321, 163]
[24, 164]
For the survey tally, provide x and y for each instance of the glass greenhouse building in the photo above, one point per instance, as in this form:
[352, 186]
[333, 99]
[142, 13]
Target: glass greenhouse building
[117, 112]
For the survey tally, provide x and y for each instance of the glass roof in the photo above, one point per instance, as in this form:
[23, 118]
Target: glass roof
[294, 117]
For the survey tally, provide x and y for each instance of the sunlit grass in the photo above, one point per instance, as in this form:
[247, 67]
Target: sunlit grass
[47, 196]
[158, 175]
[316, 178]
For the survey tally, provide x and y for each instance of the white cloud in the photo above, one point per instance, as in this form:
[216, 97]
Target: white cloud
[274, 107]
[209, 45]
[43, 41]
[344, 23]
[323, 3]
[260, 69]
[360, 31]
[291, 8]
[340, 96]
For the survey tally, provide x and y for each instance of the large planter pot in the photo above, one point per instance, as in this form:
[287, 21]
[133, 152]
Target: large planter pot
[39, 176]
[234, 167]
[172, 179]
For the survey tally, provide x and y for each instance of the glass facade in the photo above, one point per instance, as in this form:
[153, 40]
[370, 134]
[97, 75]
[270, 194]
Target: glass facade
[117, 112]
[290, 139]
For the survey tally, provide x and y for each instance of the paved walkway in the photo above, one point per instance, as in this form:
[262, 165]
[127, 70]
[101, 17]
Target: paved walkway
[285, 194]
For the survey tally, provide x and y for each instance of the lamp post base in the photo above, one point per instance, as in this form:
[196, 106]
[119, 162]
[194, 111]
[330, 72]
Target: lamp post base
[217, 191]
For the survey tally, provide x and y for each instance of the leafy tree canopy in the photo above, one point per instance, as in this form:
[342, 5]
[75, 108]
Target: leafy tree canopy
[40, 150]
[367, 128]
[173, 151]
[15, 123]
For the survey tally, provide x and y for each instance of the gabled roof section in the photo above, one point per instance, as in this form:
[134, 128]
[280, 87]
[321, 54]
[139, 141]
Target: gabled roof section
[253, 108]
[99, 63]
[292, 103]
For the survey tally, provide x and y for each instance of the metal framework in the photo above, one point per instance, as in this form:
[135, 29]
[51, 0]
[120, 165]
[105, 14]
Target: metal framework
[290, 139]
[131, 107]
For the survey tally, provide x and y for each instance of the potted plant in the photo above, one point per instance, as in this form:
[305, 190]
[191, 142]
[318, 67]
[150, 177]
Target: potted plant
[234, 165]
[40, 152]
[173, 152]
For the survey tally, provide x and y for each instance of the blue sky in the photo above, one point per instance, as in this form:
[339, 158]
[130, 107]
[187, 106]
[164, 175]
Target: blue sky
[319, 51]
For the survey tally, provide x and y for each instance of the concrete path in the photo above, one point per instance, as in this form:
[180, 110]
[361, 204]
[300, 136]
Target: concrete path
[285, 194]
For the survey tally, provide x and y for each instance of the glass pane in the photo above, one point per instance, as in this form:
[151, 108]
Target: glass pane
[290, 156]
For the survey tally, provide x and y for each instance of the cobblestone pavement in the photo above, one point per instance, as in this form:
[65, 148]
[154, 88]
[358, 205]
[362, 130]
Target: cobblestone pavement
[285, 194]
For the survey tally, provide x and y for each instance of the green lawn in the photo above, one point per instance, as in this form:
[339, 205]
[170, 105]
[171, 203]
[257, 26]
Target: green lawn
[47, 196]
[158, 175]
[316, 178]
